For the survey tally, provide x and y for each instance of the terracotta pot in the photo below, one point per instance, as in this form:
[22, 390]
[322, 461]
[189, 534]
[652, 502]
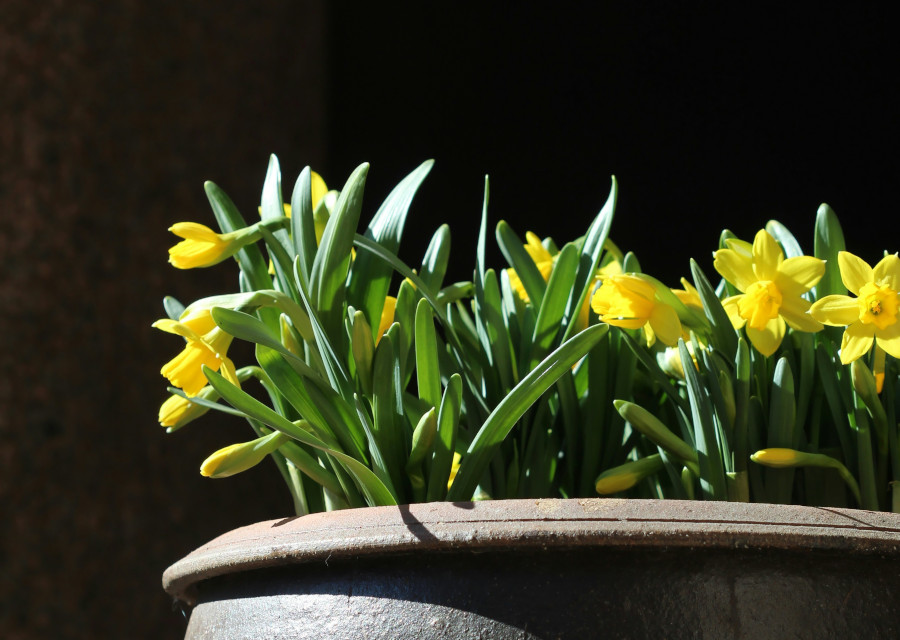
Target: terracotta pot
[550, 569]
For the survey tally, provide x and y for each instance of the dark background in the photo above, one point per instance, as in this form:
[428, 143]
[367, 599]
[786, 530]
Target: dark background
[112, 116]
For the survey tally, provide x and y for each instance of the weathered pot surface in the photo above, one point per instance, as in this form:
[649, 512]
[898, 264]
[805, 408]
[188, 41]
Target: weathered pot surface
[587, 568]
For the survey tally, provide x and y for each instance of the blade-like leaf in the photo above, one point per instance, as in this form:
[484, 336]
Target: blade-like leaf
[507, 413]
[370, 278]
[376, 493]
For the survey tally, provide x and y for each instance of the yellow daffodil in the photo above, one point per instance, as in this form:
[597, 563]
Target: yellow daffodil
[689, 296]
[387, 317]
[630, 302]
[772, 288]
[872, 315]
[542, 259]
[207, 345]
[239, 457]
[202, 247]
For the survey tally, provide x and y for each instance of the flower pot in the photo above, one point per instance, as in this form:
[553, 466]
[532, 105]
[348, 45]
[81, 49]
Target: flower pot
[550, 569]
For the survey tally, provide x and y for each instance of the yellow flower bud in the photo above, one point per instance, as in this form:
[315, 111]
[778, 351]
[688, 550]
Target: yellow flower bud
[241, 456]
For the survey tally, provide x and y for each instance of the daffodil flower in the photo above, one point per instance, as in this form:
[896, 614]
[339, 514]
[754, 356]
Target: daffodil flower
[542, 258]
[630, 302]
[202, 247]
[772, 289]
[207, 344]
[872, 315]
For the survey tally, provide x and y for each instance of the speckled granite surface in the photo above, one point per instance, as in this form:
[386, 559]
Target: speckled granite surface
[111, 117]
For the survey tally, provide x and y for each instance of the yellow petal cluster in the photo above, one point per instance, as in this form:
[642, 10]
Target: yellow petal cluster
[870, 317]
[629, 302]
[201, 247]
[772, 289]
[207, 344]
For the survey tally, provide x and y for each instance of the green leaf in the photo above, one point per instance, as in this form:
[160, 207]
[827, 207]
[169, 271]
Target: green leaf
[785, 238]
[437, 257]
[780, 482]
[518, 258]
[272, 206]
[724, 337]
[379, 464]
[303, 227]
[387, 405]
[658, 433]
[334, 368]
[422, 442]
[507, 413]
[375, 491]
[595, 241]
[329, 271]
[445, 443]
[246, 327]
[428, 374]
[370, 278]
[363, 347]
[334, 420]
[553, 307]
[712, 472]
[829, 241]
[173, 308]
[249, 258]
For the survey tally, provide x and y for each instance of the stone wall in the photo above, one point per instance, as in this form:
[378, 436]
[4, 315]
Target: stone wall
[111, 117]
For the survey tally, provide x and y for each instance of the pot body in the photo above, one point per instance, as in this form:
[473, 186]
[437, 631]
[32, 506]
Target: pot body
[599, 568]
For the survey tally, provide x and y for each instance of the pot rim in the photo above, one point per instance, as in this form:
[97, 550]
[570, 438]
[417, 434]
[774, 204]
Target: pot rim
[504, 525]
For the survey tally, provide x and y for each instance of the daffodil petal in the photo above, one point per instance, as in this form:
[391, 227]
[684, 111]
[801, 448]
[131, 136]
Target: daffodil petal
[889, 340]
[731, 308]
[767, 256]
[536, 249]
[855, 272]
[624, 323]
[735, 268]
[318, 188]
[794, 311]
[887, 271]
[665, 324]
[857, 340]
[741, 247]
[835, 310]
[798, 275]
[767, 340]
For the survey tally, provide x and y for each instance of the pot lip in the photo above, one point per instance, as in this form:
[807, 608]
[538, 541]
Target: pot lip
[504, 525]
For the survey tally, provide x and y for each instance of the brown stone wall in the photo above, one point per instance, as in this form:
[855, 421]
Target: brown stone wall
[111, 117]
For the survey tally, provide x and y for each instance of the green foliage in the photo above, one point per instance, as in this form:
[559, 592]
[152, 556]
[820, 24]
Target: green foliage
[387, 385]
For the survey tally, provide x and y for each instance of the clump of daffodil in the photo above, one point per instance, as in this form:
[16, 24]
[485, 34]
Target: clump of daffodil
[630, 301]
[207, 344]
[872, 315]
[772, 289]
[542, 258]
